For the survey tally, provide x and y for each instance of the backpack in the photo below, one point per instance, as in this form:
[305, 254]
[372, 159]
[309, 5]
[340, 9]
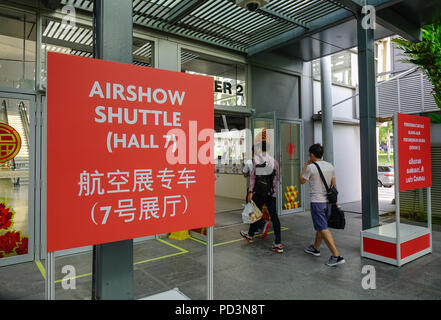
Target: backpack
[264, 184]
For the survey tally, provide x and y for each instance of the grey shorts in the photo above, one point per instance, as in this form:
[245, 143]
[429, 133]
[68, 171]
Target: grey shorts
[320, 213]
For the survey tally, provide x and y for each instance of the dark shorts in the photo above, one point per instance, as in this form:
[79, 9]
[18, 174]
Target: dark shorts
[320, 213]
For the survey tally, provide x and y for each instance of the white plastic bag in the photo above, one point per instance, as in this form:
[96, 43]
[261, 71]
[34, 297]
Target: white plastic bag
[247, 210]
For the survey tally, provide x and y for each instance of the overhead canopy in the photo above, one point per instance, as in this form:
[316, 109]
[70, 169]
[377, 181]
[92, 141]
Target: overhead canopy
[304, 29]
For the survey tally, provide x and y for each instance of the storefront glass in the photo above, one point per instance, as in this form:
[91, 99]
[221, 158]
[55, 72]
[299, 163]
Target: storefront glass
[230, 155]
[17, 49]
[229, 77]
[14, 177]
[230, 144]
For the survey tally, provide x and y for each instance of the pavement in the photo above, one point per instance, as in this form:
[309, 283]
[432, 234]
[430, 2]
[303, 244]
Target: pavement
[244, 271]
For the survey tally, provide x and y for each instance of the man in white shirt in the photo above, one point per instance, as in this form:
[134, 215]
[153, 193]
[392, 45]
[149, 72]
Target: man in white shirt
[320, 206]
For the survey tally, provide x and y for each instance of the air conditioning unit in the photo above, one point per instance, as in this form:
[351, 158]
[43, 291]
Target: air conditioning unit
[252, 5]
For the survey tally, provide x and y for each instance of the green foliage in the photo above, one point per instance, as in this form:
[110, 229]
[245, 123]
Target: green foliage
[426, 55]
[382, 159]
[385, 132]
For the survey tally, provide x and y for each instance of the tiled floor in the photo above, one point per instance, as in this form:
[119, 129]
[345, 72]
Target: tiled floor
[247, 271]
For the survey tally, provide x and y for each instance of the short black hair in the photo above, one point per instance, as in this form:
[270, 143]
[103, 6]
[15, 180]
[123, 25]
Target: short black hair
[316, 150]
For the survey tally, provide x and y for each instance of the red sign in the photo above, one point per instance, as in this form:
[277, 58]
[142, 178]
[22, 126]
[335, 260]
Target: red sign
[10, 142]
[129, 152]
[414, 157]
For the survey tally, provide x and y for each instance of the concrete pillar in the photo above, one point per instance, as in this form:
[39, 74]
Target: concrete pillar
[368, 137]
[168, 55]
[327, 116]
[112, 277]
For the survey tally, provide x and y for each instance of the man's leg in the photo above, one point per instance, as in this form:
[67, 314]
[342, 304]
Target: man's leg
[329, 240]
[319, 221]
[318, 240]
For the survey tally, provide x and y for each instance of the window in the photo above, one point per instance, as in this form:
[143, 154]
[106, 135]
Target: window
[343, 66]
[229, 78]
[17, 49]
[78, 41]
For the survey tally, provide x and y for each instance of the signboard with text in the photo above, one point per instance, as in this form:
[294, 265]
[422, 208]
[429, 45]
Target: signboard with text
[129, 151]
[414, 156]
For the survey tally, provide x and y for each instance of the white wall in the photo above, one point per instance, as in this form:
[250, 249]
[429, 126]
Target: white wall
[346, 143]
[346, 160]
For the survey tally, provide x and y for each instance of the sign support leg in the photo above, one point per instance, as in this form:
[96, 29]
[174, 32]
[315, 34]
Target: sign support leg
[429, 214]
[210, 263]
[397, 191]
[50, 276]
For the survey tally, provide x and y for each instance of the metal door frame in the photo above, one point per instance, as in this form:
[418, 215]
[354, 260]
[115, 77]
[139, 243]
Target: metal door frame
[33, 199]
[301, 208]
[277, 153]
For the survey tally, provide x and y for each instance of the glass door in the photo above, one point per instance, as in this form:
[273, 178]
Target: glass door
[290, 159]
[260, 123]
[17, 126]
[267, 122]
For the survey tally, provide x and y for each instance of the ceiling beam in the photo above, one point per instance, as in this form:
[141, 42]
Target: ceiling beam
[334, 18]
[399, 25]
[283, 17]
[387, 17]
[349, 10]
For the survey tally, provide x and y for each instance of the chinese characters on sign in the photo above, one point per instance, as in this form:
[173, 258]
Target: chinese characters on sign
[414, 152]
[139, 181]
[130, 152]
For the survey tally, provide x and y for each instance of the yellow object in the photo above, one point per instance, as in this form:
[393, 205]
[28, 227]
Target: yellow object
[179, 235]
[291, 196]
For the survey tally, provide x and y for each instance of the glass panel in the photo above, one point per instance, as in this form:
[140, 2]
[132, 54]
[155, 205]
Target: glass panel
[229, 144]
[14, 177]
[268, 126]
[290, 165]
[229, 78]
[17, 49]
[343, 68]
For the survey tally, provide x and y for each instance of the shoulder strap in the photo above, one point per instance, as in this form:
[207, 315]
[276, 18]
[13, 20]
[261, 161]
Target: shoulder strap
[321, 175]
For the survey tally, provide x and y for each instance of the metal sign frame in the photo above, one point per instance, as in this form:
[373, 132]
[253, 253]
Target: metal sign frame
[50, 269]
[397, 196]
[400, 243]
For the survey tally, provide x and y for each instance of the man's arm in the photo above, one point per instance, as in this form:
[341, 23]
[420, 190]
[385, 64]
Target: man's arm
[334, 182]
[305, 167]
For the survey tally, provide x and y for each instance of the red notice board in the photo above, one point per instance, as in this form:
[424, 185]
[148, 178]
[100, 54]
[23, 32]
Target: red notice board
[414, 156]
[129, 151]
